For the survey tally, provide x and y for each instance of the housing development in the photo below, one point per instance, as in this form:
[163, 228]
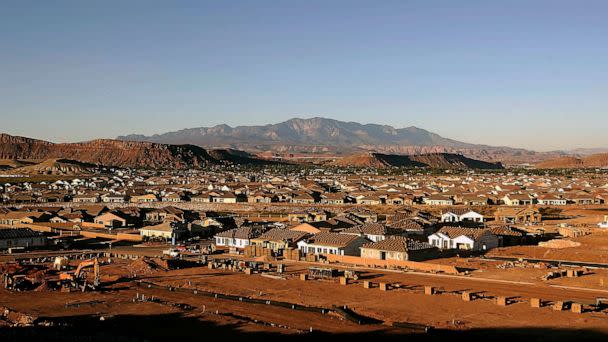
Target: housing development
[306, 249]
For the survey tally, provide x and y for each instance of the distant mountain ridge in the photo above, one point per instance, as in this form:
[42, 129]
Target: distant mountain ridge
[321, 135]
[314, 131]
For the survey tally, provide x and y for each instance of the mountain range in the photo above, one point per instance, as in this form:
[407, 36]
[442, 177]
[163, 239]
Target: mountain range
[31, 156]
[19, 155]
[327, 136]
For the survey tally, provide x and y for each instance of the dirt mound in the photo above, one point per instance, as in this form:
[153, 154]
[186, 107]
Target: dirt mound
[557, 243]
[146, 266]
[55, 167]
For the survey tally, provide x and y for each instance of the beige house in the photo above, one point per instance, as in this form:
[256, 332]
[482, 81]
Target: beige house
[279, 239]
[111, 220]
[147, 198]
[165, 230]
[518, 215]
[399, 248]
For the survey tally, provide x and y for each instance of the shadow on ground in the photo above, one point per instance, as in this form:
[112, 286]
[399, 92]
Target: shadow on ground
[171, 327]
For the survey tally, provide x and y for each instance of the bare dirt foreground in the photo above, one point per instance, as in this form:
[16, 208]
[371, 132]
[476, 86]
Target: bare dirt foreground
[160, 304]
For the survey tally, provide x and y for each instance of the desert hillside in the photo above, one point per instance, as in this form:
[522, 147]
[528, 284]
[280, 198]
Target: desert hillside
[431, 160]
[109, 152]
[592, 161]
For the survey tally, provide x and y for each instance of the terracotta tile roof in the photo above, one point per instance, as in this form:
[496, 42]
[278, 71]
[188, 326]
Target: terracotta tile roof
[454, 232]
[409, 225]
[398, 244]
[367, 228]
[21, 233]
[459, 211]
[279, 234]
[240, 233]
[505, 231]
[332, 239]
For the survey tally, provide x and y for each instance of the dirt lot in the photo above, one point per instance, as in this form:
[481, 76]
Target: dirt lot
[593, 248]
[115, 309]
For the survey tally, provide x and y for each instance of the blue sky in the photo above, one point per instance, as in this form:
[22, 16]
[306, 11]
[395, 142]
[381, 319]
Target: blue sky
[530, 74]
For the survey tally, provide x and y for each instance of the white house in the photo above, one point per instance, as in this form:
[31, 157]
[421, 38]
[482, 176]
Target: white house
[238, 237]
[439, 200]
[461, 215]
[551, 200]
[475, 239]
[332, 243]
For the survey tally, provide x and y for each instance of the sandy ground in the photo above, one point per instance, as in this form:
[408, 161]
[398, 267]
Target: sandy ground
[404, 302]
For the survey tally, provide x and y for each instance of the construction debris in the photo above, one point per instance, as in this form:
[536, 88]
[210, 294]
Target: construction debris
[17, 319]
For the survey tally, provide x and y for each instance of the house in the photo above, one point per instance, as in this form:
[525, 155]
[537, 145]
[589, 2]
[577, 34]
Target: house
[508, 236]
[408, 226]
[260, 197]
[439, 200]
[475, 239]
[362, 215]
[168, 213]
[14, 218]
[279, 239]
[306, 228]
[237, 237]
[111, 220]
[372, 231]
[474, 200]
[21, 237]
[551, 200]
[518, 215]
[166, 230]
[399, 248]
[113, 198]
[147, 198]
[308, 216]
[398, 199]
[226, 197]
[332, 198]
[461, 215]
[172, 197]
[86, 198]
[517, 199]
[302, 198]
[51, 198]
[369, 200]
[332, 243]
[581, 198]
